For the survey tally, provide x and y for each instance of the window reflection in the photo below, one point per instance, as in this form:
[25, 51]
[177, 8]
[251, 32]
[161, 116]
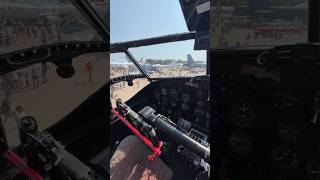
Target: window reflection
[243, 23]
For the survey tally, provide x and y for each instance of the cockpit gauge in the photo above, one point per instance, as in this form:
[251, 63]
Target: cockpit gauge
[173, 104]
[185, 107]
[198, 112]
[173, 96]
[289, 132]
[173, 92]
[243, 114]
[200, 103]
[164, 91]
[185, 98]
[284, 158]
[313, 170]
[240, 142]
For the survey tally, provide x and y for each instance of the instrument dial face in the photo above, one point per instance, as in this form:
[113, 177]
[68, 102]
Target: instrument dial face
[284, 158]
[313, 170]
[174, 95]
[198, 112]
[240, 143]
[243, 114]
[164, 91]
[289, 132]
[200, 104]
[173, 104]
[185, 98]
[185, 107]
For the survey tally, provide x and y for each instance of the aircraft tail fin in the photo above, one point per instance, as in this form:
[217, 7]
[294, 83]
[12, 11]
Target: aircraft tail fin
[190, 60]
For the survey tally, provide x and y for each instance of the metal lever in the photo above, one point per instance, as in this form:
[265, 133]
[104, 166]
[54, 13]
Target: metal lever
[146, 141]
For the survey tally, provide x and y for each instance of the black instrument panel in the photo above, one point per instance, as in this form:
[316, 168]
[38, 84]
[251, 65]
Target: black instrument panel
[264, 129]
[185, 103]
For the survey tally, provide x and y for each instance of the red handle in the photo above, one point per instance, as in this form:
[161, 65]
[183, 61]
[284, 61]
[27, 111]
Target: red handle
[145, 140]
[16, 161]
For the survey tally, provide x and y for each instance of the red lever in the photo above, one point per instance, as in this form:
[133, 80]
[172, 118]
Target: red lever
[145, 140]
[16, 161]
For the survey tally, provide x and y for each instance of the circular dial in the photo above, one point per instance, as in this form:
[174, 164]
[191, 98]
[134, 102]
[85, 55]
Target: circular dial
[289, 132]
[200, 104]
[198, 112]
[240, 143]
[243, 114]
[284, 158]
[185, 107]
[173, 104]
[173, 94]
[164, 91]
[313, 169]
[185, 97]
[173, 97]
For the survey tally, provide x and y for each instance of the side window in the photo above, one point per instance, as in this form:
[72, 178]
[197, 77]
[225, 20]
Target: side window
[250, 23]
[120, 65]
[37, 89]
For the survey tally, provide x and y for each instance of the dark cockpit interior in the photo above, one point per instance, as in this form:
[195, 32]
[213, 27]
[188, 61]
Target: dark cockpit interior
[184, 101]
[265, 123]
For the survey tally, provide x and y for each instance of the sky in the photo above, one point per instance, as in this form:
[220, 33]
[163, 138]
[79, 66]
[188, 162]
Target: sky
[140, 19]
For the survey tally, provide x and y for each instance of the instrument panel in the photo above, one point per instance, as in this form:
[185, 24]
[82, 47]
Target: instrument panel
[274, 132]
[185, 103]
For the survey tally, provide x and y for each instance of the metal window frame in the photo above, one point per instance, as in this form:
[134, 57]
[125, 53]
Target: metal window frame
[94, 19]
[124, 46]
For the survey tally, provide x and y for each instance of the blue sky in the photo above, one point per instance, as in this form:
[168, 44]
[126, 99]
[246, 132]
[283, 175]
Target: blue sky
[139, 19]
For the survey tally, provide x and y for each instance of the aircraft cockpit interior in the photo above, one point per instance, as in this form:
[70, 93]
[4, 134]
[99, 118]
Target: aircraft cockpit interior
[170, 97]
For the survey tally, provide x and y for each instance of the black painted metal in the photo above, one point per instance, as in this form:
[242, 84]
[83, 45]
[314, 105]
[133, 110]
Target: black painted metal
[123, 46]
[95, 20]
[131, 57]
[314, 21]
